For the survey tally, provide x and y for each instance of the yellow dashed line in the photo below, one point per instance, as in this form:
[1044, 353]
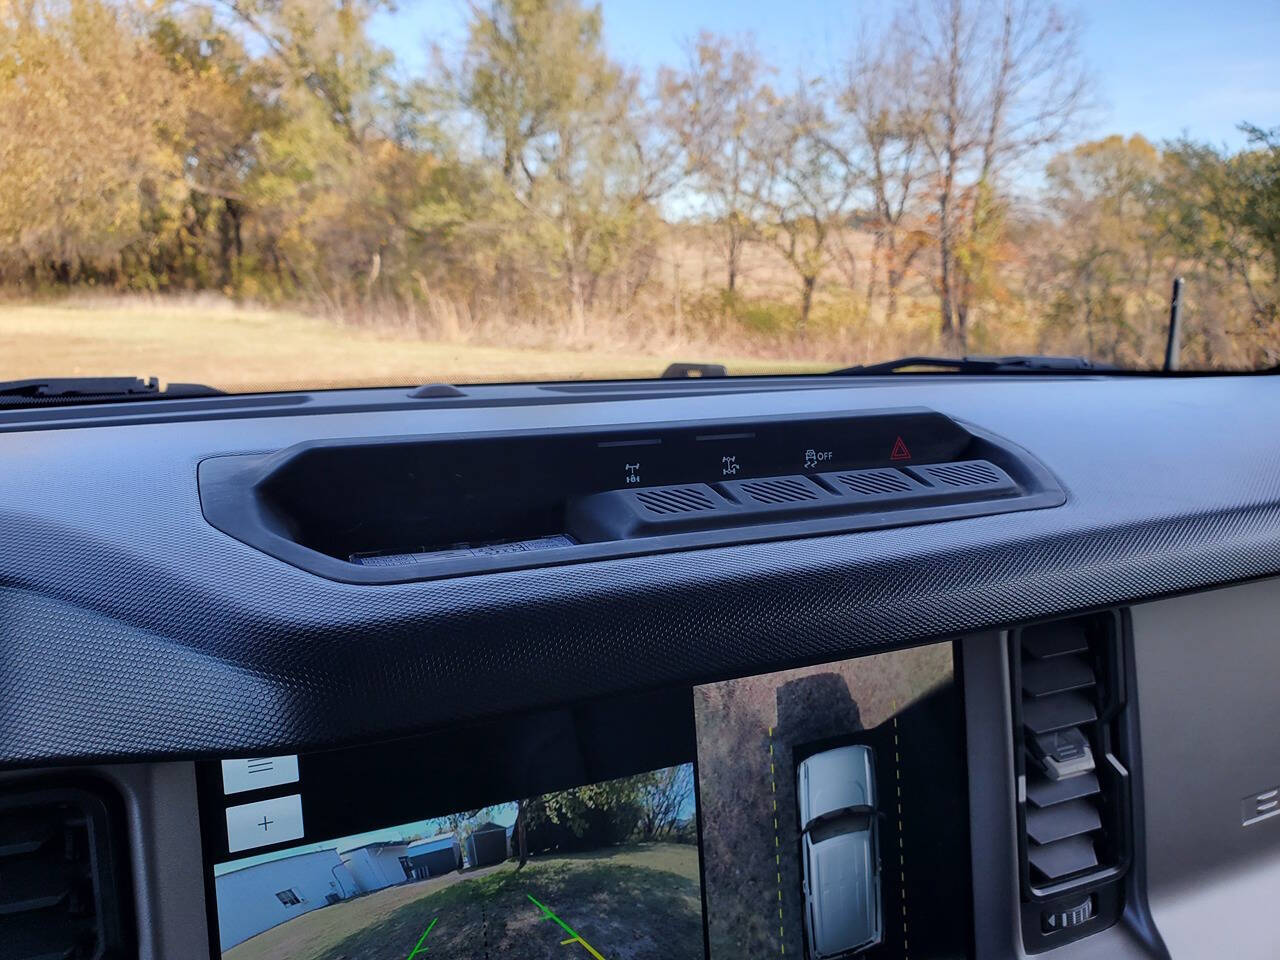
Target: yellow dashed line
[777, 844]
[902, 861]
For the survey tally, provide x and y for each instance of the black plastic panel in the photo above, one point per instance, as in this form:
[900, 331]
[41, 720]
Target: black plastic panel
[427, 507]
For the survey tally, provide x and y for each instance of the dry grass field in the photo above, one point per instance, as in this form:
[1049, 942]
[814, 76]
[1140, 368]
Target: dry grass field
[248, 349]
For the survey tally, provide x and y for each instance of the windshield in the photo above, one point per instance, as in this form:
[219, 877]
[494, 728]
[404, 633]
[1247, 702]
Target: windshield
[275, 194]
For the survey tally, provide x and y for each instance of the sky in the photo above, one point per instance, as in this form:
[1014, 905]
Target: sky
[1194, 67]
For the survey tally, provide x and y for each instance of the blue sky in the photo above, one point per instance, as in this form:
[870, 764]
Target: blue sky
[1162, 69]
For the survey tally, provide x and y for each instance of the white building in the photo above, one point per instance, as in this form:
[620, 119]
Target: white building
[378, 865]
[264, 895]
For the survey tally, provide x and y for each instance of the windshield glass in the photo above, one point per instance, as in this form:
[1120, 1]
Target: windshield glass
[274, 194]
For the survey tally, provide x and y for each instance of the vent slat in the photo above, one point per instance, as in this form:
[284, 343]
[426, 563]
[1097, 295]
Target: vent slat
[1057, 860]
[47, 935]
[35, 883]
[1055, 639]
[1071, 819]
[1041, 678]
[1043, 792]
[24, 834]
[1057, 712]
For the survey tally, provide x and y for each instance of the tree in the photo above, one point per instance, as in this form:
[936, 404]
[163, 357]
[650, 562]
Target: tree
[1112, 259]
[805, 188]
[715, 107]
[997, 83]
[888, 136]
[1225, 213]
[90, 169]
[665, 797]
[565, 127]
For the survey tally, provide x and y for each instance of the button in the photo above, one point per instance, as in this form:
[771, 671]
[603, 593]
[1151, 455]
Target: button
[1063, 753]
[258, 772]
[267, 821]
[1064, 918]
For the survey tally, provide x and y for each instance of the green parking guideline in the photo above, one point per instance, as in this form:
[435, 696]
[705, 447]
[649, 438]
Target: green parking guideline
[418, 947]
[573, 934]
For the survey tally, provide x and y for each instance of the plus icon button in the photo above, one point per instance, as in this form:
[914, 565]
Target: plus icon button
[262, 823]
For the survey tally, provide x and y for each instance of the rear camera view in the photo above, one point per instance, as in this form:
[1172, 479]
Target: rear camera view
[607, 871]
[834, 813]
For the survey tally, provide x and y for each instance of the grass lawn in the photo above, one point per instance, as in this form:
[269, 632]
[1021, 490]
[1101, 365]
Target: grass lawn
[630, 903]
[253, 349]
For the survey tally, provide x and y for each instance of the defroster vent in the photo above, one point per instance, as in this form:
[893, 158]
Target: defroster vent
[63, 881]
[665, 500]
[870, 483]
[780, 490]
[967, 473]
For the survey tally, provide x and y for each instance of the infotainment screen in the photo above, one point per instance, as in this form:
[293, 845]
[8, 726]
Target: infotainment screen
[817, 812]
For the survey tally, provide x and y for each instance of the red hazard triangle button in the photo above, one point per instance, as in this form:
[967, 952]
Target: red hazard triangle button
[900, 451]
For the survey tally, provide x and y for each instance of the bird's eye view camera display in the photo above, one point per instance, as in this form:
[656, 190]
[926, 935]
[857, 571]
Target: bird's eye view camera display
[606, 871]
[834, 811]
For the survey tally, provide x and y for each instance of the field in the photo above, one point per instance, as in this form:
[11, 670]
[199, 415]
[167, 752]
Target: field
[246, 349]
[633, 903]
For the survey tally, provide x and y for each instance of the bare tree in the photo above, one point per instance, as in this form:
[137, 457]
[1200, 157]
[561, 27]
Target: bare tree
[998, 80]
[803, 199]
[888, 139]
[714, 107]
[665, 797]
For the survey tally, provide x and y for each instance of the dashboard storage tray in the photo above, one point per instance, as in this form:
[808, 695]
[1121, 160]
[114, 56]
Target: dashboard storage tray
[392, 510]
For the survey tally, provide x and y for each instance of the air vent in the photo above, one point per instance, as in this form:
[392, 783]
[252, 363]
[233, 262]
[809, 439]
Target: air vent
[780, 490]
[970, 476]
[1073, 810]
[870, 483]
[668, 500]
[62, 879]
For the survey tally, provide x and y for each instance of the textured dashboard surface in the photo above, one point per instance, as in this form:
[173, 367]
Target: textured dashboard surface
[130, 628]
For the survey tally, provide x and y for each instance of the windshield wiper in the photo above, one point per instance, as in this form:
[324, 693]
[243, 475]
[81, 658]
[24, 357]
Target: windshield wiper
[56, 390]
[970, 365]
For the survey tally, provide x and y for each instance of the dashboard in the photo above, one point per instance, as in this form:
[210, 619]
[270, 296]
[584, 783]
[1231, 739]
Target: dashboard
[914, 666]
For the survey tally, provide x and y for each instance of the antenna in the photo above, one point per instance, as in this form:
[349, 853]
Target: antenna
[1175, 327]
